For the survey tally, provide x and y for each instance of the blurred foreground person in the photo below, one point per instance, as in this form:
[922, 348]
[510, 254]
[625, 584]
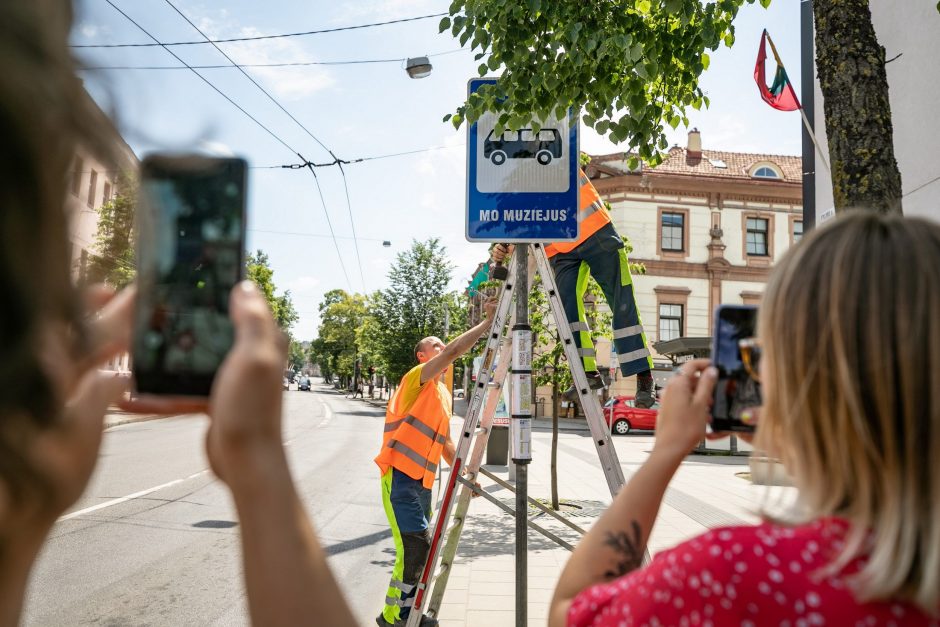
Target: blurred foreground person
[53, 398]
[850, 329]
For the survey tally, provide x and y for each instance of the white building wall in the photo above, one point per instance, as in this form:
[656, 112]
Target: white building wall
[731, 290]
[909, 28]
[637, 221]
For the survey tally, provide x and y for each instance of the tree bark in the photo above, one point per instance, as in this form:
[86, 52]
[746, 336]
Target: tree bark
[851, 67]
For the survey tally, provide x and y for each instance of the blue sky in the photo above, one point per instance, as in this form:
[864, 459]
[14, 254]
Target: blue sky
[360, 111]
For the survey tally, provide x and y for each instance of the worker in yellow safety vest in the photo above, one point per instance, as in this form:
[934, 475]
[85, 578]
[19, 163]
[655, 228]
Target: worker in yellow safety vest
[416, 436]
[599, 252]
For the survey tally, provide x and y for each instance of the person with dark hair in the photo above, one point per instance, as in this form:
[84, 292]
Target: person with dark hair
[53, 338]
[417, 436]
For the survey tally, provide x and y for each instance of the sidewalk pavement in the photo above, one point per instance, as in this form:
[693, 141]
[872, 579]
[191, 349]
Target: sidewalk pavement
[116, 417]
[707, 491]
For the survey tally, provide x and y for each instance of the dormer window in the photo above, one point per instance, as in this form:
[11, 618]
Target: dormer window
[765, 171]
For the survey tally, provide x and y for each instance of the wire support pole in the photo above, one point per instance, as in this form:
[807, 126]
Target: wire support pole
[521, 428]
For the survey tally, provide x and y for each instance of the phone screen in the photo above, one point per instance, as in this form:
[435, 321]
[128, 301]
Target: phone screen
[191, 242]
[737, 358]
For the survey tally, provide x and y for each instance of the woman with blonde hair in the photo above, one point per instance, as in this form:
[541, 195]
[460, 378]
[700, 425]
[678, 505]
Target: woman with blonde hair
[850, 329]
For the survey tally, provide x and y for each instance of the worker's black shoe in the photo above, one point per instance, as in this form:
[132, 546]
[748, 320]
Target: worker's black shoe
[594, 380]
[426, 621]
[644, 398]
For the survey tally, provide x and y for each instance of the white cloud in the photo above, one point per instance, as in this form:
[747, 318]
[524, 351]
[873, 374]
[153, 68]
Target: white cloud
[384, 10]
[218, 149]
[88, 30]
[289, 83]
[303, 285]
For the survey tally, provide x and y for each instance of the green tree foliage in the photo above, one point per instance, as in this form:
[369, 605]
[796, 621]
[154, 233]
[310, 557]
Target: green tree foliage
[114, 259]
[336, 347]
[258, 269]
[319, 354]
[549, 365]
[412, 307]
[631, 66]
[296, 356]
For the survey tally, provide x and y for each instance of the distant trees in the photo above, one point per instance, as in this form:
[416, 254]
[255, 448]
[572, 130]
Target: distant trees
[258, 269]
[381, 329]
[113, 260]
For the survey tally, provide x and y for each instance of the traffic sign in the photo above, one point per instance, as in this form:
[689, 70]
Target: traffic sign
[522, 186]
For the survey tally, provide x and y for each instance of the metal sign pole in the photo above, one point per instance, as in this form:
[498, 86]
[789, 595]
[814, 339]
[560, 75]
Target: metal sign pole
[521, 427]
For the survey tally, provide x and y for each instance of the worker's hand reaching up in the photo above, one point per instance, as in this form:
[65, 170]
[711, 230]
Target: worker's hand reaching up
[499, 252]
[489, 308]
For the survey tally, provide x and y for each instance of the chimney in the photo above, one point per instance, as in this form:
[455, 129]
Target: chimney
[694, 148]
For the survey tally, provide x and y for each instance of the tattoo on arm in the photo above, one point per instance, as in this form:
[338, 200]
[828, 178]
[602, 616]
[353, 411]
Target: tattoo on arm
[628, 550]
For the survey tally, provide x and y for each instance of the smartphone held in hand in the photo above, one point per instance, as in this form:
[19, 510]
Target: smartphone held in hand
[736, 356]
[190, 254]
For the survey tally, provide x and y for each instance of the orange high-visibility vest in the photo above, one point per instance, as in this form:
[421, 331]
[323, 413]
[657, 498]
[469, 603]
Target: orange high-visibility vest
[414, 440]
[591, 213]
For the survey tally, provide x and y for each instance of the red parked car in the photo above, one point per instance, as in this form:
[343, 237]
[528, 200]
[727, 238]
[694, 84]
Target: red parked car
[622, 417]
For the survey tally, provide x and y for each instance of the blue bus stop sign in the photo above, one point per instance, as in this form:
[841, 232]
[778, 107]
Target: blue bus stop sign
[522, 186]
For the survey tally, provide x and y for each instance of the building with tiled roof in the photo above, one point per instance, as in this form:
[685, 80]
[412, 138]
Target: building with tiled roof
[707, 225]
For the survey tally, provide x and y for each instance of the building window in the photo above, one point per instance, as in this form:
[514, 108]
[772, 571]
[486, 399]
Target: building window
[77, 176]
[765, 172]
[673, 228]
[107, 192]
[670, 321]
[92, 188]
[797, 230]
[757, 237]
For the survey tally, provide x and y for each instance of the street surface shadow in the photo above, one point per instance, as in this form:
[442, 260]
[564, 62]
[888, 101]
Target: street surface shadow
[361, 541]
[215, 524]
[490, 535]
[718, 460]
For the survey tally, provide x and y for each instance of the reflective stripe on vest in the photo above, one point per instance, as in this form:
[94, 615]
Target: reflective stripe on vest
[414, 442]
[591, 215]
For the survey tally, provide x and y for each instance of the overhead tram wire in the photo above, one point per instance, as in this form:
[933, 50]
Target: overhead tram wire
[341, 162]
[274, 65]
[251, 117]
[352, 223]
[263, 37]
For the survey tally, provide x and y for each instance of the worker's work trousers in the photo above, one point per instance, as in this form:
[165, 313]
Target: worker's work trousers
[408, 507]
[602, 256]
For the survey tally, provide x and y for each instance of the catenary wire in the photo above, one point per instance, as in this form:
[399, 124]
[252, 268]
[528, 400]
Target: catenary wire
[274, 100]
[263, 37]
[236, 105]
[274, 65]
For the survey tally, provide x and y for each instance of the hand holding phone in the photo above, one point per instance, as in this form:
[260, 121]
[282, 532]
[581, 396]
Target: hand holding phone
[736, 356]
[191, 242]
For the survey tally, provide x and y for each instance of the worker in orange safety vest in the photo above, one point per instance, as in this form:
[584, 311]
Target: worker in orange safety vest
[599, 252]
[416, 437]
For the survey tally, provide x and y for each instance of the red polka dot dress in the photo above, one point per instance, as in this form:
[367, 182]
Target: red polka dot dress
[749, 576]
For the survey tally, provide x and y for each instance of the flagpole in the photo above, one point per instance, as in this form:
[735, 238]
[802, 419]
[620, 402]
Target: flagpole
[809, 129]
[812, 136]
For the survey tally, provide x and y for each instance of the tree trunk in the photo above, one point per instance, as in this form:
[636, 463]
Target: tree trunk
[851, 68]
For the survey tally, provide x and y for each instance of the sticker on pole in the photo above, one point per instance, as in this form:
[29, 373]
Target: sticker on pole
[522, 186]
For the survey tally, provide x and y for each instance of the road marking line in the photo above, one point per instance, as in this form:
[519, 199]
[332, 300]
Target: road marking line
[129, 497]
[325, 421]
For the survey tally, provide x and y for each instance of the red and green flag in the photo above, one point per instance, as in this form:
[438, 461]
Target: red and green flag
[780, 94]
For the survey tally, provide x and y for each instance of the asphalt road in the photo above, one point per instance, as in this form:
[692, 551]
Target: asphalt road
[154, 540]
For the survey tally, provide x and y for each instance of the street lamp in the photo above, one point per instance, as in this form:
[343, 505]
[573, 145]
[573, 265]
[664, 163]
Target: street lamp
[418, 67]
